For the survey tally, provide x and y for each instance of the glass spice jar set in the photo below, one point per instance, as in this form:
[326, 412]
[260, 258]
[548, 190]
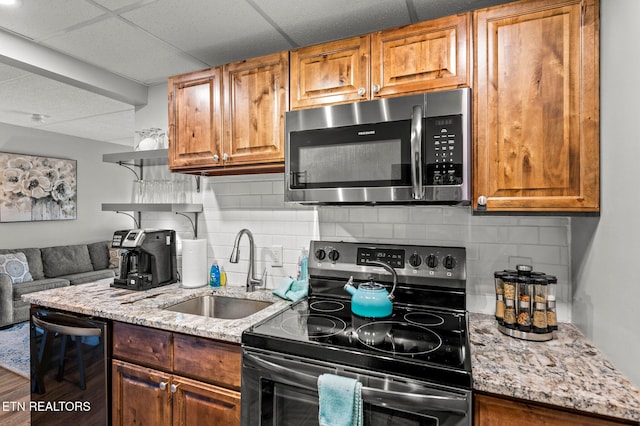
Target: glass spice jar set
[526, 303]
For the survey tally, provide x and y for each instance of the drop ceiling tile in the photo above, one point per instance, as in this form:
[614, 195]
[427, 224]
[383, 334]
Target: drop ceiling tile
[105, 127]
[123, 49]
[38, 19]
[36, 94]
[8, 73]
[215, 32]
[310, 23]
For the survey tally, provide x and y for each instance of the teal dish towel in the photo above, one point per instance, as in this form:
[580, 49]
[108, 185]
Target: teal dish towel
[340, 401]
[290, 289]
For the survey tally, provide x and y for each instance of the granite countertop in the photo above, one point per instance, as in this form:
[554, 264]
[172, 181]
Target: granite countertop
[567, 371]
[145, 307]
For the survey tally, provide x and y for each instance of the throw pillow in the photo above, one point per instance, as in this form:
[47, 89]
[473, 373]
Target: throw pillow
[114, 258]
[15, 266]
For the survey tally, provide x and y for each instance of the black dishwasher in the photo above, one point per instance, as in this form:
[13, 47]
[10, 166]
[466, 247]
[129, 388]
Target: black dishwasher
[70, 375]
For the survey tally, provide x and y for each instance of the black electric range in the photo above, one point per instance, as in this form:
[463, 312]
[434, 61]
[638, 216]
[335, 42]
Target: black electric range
[426, 336]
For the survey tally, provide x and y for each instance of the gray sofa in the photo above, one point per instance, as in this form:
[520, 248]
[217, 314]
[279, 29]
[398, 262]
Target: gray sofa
[53, 267]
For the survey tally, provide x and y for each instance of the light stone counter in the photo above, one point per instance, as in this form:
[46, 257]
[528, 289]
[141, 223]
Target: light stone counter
[145, 307]
[567, 371]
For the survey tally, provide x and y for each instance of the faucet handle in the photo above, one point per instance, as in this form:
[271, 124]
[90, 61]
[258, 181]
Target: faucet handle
[263, 278]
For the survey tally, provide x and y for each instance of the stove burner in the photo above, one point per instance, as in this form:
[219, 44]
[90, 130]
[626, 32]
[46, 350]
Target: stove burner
[424, 318]
[398, 338]
[313, 325]
[326, 306]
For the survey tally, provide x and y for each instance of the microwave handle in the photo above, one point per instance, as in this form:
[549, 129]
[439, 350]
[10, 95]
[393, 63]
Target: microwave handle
[416, 153]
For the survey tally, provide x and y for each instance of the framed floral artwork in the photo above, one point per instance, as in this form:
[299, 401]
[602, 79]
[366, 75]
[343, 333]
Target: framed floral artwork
[37, 188]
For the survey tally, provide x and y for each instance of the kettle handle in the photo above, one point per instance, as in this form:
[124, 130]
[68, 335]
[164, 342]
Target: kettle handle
[349, 282]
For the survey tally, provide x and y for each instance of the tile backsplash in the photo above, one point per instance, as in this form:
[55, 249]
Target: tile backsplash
[256, 202]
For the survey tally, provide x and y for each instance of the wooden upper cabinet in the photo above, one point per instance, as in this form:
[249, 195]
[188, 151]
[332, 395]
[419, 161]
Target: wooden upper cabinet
[536, 106]
[420, 57]
[255, 100]
[331, 73]
[195, 119]
[416, 58]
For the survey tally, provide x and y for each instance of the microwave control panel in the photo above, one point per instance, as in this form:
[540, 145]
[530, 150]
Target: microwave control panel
[443, 154]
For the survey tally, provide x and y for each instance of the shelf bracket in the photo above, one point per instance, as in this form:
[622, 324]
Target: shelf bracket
[194, 225]
[135, 221]
[130, 167]
[198, 184]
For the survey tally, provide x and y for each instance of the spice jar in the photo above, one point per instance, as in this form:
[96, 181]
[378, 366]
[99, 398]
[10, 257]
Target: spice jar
[498, 276]
[552, 318]
[539, 305]
[524, 270]
[524, 304]
[509, 283]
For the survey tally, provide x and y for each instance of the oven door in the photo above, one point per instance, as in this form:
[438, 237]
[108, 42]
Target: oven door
[281, 390]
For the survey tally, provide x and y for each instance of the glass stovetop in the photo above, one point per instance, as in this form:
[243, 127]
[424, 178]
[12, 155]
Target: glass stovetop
[419, 343]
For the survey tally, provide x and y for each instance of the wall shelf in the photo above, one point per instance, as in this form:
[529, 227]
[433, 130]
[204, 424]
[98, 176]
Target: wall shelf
[140, 159]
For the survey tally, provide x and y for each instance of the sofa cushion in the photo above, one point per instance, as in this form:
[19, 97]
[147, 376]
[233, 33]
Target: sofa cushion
[34, 259]
[99, 253]
[15, 266]
[87, 277]
[39, 285]
[65, 260]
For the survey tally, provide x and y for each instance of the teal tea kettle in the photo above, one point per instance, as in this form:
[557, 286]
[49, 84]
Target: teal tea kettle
[371, 300]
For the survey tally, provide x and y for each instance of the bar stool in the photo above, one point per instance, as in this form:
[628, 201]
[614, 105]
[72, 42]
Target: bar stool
[65, 327]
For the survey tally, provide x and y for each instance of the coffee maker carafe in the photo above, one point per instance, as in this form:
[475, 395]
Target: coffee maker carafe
[147, 258]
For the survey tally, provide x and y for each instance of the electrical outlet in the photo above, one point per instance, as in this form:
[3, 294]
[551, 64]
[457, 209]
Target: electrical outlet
[276, 256]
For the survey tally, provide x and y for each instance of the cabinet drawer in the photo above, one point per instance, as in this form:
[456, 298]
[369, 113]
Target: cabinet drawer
[208, 360]
[142, 345]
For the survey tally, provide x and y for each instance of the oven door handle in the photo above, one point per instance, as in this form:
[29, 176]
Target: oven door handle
[416, 153]
[451, 404]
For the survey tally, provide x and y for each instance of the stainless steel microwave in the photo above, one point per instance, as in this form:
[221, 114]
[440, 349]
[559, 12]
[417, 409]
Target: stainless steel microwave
[407, 150]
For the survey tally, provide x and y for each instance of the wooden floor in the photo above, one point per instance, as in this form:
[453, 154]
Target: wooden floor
[14, 390]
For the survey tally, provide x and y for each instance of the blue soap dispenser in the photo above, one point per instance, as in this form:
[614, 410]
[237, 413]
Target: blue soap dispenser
[214, 275]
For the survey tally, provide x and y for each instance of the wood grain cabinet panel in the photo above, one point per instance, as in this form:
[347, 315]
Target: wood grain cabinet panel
[196, 403]
[142, 395]
[536, 106]
[208, 360]
[420, 57]
[195, 119]
[255, 100]
[496, 411]
[142, 345]
[139, 395]
[331, 73]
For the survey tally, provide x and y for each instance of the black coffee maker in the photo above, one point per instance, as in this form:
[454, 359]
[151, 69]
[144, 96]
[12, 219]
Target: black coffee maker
[147, 258]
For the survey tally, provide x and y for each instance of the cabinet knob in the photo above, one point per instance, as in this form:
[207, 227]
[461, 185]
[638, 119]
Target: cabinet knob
[225, 156]
[361, 91]
[375, 88]
[173, 388]
[215, 157]
[162, 385]
[482, 200]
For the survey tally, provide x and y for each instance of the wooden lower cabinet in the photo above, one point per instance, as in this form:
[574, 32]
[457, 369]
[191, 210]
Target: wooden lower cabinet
[497, 411]
[150, 384]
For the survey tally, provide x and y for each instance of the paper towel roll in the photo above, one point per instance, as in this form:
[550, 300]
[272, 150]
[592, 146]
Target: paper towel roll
[194, 263]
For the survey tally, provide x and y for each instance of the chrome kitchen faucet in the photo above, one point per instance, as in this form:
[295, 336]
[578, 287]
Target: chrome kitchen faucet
[252, 281]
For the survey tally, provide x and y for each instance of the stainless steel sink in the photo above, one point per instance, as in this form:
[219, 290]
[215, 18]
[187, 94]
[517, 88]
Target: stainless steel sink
[219, 307]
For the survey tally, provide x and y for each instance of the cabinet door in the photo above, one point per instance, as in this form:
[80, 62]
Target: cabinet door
[330, 73]
[426, 56]
[255, 100]
[140, 395]
[536, 103]
[197, 403]
[195, 120]
[493, 411]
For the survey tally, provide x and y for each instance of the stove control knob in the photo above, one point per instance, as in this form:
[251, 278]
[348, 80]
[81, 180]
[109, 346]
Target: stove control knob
[449, 262]
[432, 261]
[321, 254]
[415, 260]
[334, 255]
